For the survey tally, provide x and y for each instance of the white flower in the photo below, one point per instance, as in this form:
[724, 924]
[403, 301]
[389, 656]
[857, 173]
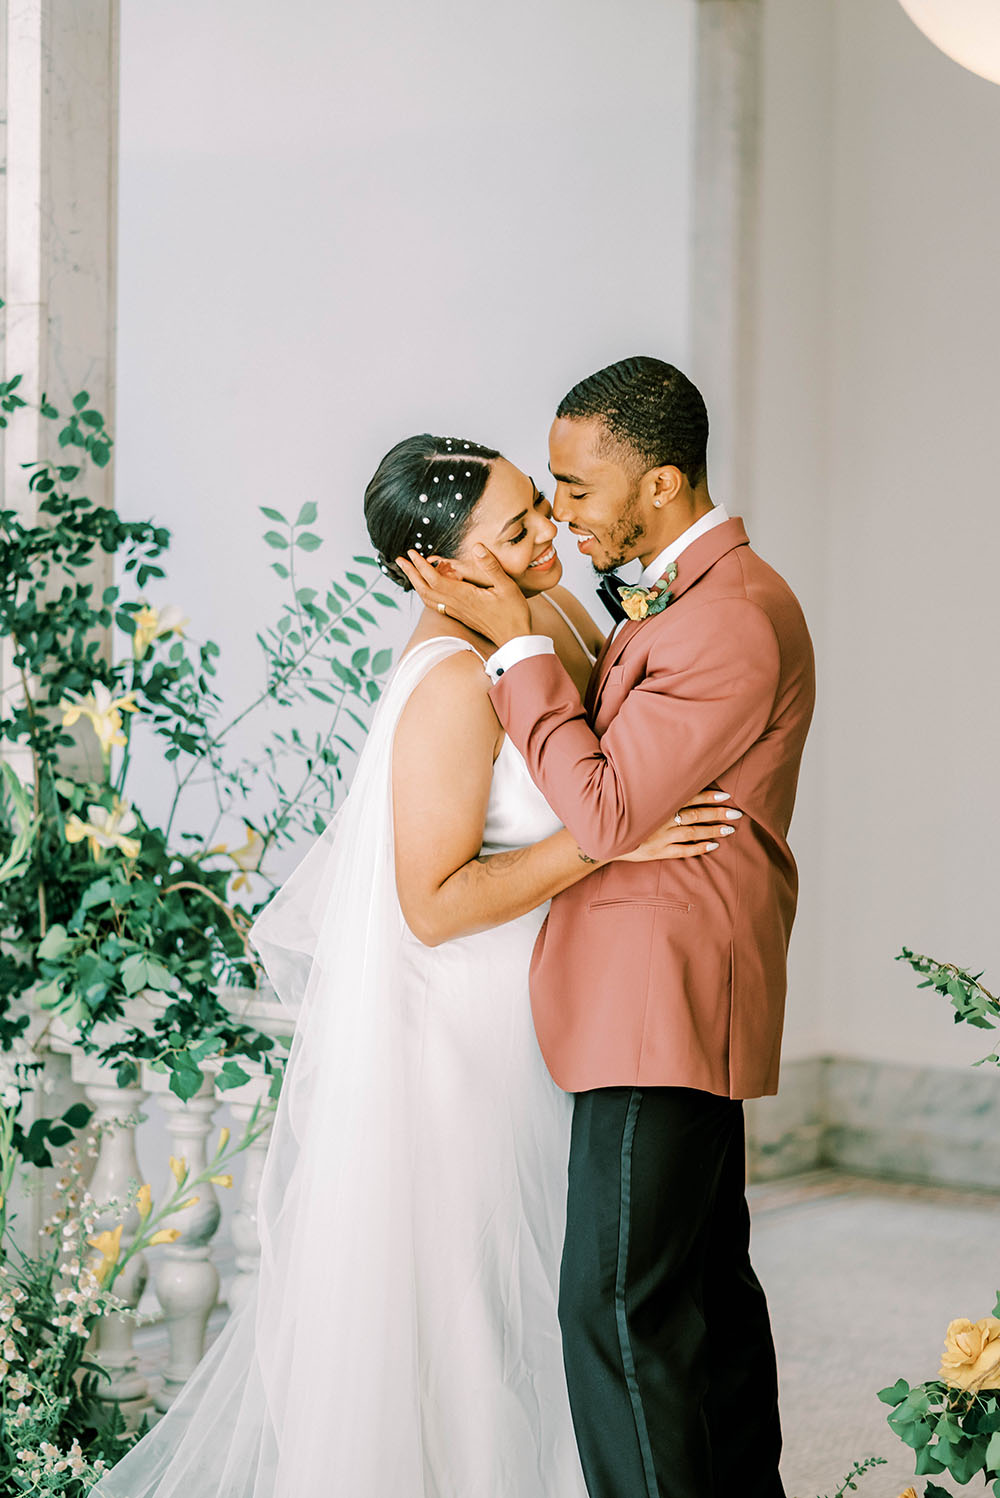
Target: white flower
[105, 829]
[102, 711]
[152, 624]
[10, 1097]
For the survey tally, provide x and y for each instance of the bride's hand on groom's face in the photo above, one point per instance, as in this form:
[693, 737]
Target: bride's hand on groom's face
[697, 829]
[482, 597]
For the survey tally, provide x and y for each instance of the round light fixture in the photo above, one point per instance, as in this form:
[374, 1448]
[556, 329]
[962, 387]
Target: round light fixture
[967, 30]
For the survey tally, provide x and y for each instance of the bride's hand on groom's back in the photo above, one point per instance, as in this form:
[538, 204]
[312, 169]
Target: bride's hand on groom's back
[694, 831]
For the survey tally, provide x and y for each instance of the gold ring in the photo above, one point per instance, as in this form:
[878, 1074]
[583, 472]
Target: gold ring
[441, 609]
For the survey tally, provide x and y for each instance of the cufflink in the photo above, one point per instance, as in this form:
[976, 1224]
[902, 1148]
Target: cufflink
[499, 670]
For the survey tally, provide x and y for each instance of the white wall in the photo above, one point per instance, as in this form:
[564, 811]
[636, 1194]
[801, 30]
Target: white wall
[340, 225]
[877, 490]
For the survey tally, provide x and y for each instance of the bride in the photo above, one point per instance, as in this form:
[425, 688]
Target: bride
[403, 1340]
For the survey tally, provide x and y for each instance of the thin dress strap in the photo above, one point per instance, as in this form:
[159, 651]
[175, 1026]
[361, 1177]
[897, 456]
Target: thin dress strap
[567, 620]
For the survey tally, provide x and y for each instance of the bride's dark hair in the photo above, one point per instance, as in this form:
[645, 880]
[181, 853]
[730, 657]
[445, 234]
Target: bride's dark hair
[422, 497]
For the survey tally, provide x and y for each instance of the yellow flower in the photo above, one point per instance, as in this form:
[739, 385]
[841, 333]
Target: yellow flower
[636, 605]
[109, 1246]
[105, 829]
[221, 1180]
[164, 1235]
[223, 1141]
[151, 624]
[102, 711]
[179, 1168]
[191, 1201]
[144, 1201]
[971, 1358]
[909, 1493]
[246, 858]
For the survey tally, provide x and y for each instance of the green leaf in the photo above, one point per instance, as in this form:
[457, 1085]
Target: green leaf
[933, 1491]
[307, 514]
[273, 514]
[352, 577]
[992, 1458]
[385, 600]
[68, 472]
[231, 1074]
[54, 944]
[896, 1394]
[366, 561]
[185, 1076]
[926, 1463]
[92, 418]
[133, 973]
[78, 1115]
[49, 995]
[280, 569]
[81, 400]
[309, 541]
[158, 977]
[381, 661]
[359, 659]
[277, 540]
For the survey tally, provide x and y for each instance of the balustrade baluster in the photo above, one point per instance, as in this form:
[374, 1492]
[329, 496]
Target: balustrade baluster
[185, 1279]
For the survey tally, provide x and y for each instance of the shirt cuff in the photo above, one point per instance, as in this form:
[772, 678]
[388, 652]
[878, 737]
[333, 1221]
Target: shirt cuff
[520, 649]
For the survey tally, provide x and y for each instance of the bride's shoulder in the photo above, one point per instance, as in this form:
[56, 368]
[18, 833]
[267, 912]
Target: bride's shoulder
[570, 606]
[453, 692]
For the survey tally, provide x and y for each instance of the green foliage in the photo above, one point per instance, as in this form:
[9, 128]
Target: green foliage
[973, 1004]
[949, 1430]
[100, 905]
[859, 1469]
[57, 1433]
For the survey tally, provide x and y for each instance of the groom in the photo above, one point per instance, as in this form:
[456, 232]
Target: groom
[658, 989]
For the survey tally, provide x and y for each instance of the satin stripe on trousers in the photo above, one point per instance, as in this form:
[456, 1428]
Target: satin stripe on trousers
[669, 1357]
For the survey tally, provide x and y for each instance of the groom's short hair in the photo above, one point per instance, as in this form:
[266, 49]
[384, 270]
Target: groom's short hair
[648, 407]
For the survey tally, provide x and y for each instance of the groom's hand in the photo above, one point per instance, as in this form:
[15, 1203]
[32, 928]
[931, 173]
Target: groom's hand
[487, 600]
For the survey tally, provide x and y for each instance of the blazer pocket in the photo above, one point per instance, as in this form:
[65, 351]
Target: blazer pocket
[681, 907]
[614, 678]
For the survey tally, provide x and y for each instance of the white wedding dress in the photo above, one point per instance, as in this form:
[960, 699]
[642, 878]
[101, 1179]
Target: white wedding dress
[403, 1342]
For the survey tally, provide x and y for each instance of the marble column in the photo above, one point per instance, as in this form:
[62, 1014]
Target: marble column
[59, 145]
[724, 247]
[58, 229]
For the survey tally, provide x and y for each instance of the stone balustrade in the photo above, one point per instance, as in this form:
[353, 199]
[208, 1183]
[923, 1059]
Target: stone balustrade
[185, 1278]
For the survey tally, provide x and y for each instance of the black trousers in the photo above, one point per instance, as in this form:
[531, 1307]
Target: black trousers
[666, 1336]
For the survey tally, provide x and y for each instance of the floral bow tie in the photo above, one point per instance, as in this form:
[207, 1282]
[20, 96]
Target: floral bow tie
[631, 601]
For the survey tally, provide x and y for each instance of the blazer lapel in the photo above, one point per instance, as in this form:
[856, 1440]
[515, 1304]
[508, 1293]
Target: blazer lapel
[692, 564]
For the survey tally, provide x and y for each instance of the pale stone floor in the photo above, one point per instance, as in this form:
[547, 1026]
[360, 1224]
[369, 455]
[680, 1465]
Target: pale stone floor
[862, 1277]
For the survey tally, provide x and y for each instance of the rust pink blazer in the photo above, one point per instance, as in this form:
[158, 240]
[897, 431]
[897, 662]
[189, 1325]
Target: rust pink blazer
[672, 973]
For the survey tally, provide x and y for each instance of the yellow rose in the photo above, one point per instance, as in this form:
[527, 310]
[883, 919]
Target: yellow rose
[971, 1359]
[910, 1493]
[636, 605]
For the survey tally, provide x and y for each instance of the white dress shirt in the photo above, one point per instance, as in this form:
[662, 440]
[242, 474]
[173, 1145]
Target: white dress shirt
[524, 646]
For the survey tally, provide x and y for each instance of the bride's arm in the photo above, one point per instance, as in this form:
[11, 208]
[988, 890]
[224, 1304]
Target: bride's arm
[443, 756]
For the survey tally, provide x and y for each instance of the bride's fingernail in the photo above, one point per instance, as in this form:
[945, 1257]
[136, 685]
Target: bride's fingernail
[722, 795]
[726, 831]
[733, 815]
[711, 846]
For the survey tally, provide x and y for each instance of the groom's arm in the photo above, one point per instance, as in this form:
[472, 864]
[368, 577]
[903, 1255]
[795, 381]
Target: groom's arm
[708, 695]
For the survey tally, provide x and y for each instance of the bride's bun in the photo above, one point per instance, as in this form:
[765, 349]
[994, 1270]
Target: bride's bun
[422, 497]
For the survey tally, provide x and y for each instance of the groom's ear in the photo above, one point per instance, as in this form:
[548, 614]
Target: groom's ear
[665, 484]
